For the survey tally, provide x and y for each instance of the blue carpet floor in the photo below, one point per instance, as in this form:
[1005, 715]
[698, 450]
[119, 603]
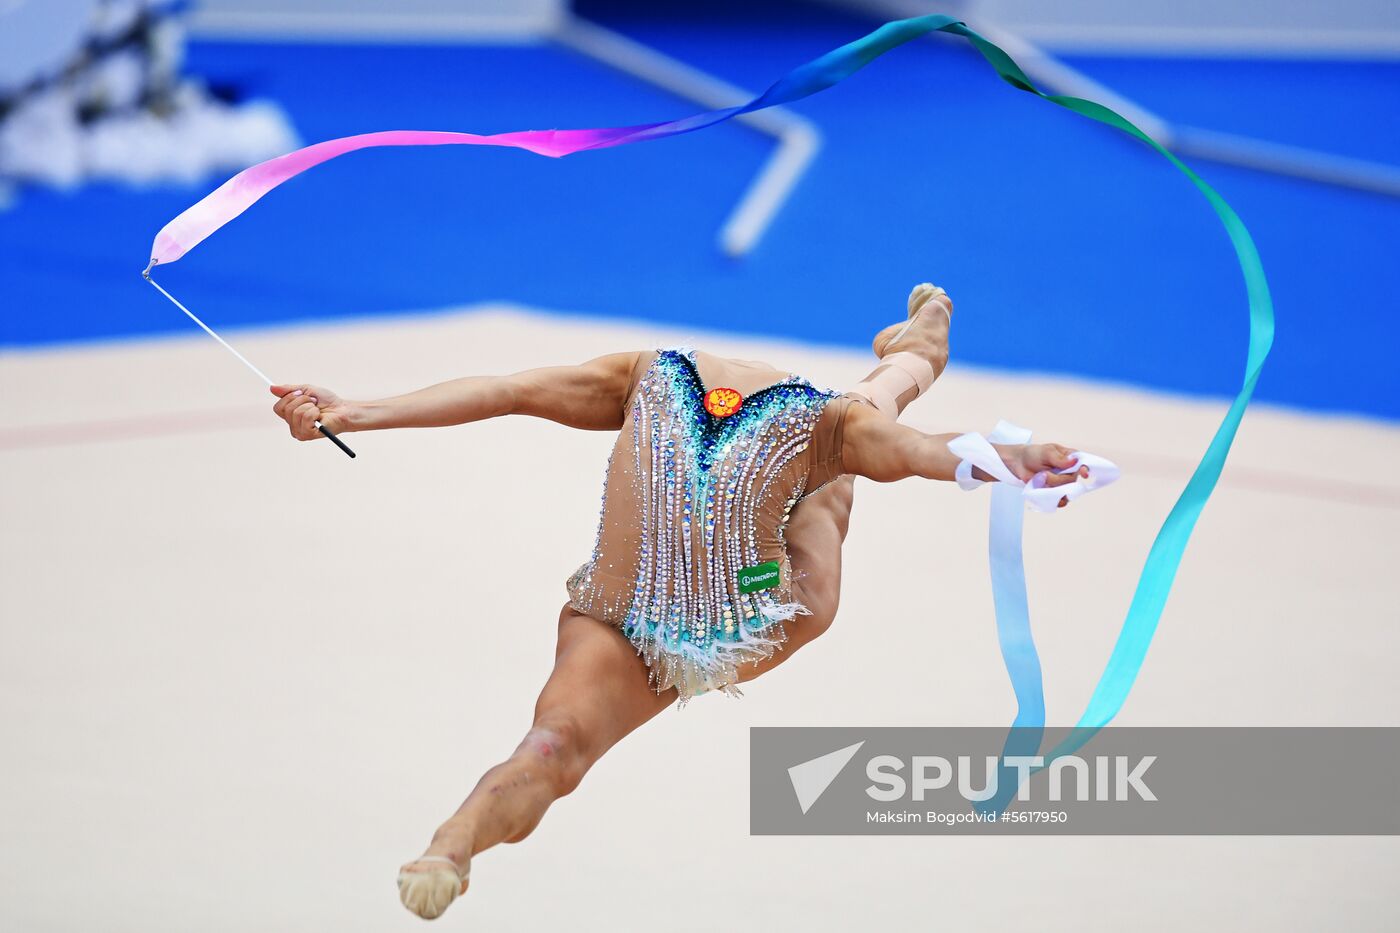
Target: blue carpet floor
[1067, 248]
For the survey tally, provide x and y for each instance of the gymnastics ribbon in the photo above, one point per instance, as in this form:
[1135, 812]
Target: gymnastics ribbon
[239, 193]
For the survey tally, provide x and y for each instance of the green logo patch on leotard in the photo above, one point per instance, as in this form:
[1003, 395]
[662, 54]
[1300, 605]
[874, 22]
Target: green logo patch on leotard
[762, 576]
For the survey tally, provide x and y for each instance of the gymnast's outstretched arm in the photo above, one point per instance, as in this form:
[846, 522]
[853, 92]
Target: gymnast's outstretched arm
[885, 451]
[588, 396]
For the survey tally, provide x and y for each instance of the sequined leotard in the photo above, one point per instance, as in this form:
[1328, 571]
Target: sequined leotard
[693, 503]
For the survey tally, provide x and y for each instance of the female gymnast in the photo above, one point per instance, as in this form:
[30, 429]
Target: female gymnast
[718, 552]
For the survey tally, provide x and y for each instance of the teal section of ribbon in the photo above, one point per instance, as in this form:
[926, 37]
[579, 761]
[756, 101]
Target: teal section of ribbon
[1164, 557]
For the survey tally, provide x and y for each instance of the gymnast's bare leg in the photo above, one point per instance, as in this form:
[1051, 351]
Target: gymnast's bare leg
[597, 693]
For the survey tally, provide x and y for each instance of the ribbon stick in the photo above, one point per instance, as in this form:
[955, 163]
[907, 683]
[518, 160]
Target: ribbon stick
[325, 431]
[240, 192]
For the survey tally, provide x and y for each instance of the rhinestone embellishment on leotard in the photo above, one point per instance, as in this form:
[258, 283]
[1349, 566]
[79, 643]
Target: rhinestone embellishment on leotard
[700, 480]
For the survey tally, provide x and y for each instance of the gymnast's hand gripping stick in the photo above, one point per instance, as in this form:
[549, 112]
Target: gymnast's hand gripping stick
[241, 358]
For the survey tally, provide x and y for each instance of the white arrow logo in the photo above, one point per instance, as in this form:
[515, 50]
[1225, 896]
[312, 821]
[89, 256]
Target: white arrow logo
[811, 778]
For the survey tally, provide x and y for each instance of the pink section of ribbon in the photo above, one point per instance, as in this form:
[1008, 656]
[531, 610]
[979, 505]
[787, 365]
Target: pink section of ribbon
[241, 191]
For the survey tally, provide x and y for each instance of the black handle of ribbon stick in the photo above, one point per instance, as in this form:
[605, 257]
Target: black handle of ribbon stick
[335, 440]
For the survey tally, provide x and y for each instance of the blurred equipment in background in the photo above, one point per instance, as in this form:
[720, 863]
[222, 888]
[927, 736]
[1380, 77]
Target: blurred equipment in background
[377, 20]
[91, 89]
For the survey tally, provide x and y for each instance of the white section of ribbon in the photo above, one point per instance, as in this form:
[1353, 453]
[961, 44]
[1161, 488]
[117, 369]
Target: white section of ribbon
[977, 451]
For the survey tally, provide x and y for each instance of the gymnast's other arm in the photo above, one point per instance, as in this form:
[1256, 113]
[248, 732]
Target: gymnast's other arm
[885, 451]
[588, 396]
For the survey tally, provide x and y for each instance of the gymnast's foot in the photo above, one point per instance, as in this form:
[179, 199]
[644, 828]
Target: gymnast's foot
[925, 332]
[431, 882]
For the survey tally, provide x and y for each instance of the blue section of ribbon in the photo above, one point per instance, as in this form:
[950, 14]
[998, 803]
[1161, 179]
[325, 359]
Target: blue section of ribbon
[1014, 635]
